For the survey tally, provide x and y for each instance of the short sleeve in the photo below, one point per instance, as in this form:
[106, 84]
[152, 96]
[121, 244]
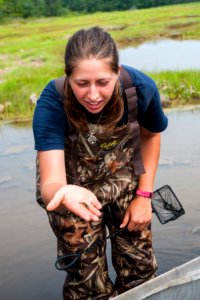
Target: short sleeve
[150, 112]
[151, 115]
[50, 126]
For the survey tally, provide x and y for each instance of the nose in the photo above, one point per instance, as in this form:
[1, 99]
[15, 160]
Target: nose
[93, 93]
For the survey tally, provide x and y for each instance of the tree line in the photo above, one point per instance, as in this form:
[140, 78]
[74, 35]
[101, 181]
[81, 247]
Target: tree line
[47, 8]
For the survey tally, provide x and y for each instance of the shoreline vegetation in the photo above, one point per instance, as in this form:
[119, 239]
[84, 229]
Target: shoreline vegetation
[25, 120]
[32, 52]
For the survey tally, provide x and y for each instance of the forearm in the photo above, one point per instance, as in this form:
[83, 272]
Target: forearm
[139, 213]
[150, 150]
[52, 173]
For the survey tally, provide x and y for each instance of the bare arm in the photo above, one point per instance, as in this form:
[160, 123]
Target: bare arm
[52, 173]
[139, 212]
[58, 195]
[150, 148]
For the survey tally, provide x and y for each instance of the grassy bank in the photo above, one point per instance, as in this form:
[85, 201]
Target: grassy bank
[178, 88]
[32, 51]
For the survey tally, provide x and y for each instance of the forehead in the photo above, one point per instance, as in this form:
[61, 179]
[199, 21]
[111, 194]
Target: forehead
[90, 67]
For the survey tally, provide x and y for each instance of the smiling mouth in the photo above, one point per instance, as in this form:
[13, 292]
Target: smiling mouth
[93, 102]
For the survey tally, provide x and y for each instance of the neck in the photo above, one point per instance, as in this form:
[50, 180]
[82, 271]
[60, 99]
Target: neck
[92, 118]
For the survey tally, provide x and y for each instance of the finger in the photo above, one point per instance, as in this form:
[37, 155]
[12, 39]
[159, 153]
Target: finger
[131, 226]
[82, 212]
[94, 210]
[91, 211]
[136, 228]
[143, 226]
[87, 212]
[135, 225]
[85, 204]
[125, 221]
[93, 217]
[91, 208]
[55, 202]
[95, 202]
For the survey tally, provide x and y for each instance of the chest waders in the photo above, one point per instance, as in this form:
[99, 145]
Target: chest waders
[110, 169]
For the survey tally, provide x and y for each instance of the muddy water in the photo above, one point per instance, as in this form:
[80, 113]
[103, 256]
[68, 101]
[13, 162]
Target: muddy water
[163, 55]
[28, 247]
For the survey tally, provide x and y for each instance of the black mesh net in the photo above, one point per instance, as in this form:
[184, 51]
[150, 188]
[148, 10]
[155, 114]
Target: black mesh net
[166, 205]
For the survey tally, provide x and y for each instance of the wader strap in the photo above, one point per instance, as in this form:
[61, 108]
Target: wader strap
[73, 162]
[131, 96]
[59, 83]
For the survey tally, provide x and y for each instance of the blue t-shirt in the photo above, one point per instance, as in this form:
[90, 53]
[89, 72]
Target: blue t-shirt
[50, 125]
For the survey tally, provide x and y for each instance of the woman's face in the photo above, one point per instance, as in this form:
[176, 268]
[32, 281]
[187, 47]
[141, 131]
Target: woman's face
[93, 82]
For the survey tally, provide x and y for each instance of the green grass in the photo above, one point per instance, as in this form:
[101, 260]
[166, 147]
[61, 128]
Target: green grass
[32, 50]
[178, 88]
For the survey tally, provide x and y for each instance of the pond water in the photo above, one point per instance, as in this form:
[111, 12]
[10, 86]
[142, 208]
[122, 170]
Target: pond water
[163, 55]
[28, 247]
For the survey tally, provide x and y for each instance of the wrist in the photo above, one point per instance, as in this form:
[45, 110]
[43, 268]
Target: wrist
[143, 193]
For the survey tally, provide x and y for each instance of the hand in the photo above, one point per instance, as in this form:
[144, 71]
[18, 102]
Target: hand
[78, 200]
[138, 215]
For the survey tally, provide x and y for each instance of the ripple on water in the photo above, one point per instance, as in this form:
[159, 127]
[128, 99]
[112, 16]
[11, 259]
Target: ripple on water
[196, 229]
[4, 179]
[174, 162]
[30, 166]
[16, 150]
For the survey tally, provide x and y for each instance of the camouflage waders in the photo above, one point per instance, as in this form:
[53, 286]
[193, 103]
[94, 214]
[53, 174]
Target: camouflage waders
[107, 170]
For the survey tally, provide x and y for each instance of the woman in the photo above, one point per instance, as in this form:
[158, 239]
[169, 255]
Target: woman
[88, 157]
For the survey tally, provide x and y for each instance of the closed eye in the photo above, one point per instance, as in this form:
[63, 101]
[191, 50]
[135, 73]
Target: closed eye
[100, 83]
[82, 84]
[103, 83]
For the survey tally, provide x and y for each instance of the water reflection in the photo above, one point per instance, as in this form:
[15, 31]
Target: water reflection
[163, 55]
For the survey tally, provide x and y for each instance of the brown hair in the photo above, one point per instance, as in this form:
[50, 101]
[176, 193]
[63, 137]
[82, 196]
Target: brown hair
[87, 43]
